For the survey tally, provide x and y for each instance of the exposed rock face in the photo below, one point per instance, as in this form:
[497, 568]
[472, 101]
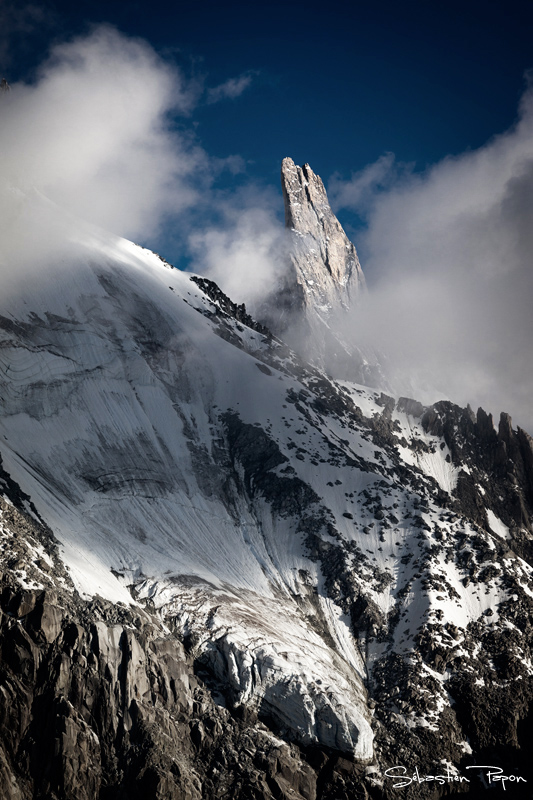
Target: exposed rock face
[495, 469]
[326, 265]
[323, 283]
[103, 702]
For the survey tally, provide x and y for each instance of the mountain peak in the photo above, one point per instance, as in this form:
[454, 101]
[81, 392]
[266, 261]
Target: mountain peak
[304, 194]
[210, 549]
[327, 250]
[322, 282]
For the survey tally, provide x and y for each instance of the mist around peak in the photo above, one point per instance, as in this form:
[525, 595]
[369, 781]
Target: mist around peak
[448, 256]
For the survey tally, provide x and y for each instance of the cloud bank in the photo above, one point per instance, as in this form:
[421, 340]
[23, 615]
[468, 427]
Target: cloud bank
[450, 256]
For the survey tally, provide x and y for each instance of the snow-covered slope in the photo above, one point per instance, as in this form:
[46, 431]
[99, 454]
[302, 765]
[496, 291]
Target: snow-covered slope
[115, 388]
[321, 547]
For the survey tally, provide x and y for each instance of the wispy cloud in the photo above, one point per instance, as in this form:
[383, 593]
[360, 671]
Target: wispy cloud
[230, 89]
[358, 192]
[95, 139]
[244, 249]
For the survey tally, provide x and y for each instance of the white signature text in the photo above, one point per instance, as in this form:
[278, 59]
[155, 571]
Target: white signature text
[403, 777]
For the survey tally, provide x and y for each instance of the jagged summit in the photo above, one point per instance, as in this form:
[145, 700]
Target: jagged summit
[326, 265]
[323, 282]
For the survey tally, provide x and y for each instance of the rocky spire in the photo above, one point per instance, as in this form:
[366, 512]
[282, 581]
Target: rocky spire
[324, 259]
[311, 307]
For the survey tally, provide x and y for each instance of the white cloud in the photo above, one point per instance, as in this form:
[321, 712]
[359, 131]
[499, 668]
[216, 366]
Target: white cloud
[245, 251]
[94, 140]
[93, 135]
[230, 89]
[450, 254]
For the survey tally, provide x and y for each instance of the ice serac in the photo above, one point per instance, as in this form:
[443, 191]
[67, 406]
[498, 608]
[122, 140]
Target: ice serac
[323, 281]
